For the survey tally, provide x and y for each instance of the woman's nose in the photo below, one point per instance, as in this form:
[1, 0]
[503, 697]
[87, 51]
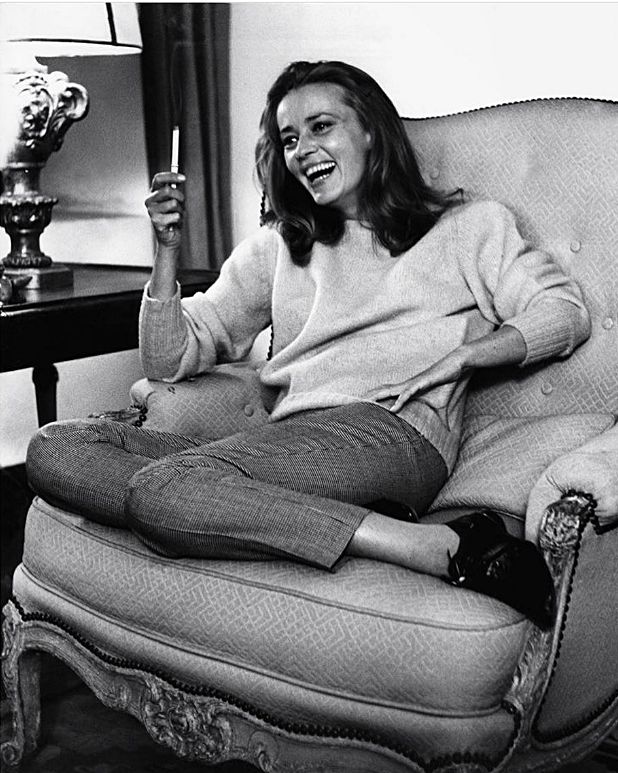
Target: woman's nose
[305, 146]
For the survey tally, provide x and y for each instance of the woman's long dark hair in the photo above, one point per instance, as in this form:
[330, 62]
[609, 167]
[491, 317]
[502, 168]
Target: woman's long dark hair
[394, 200]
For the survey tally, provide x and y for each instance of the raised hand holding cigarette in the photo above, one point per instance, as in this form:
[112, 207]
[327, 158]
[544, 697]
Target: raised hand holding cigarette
[166, 202]
[165, 206]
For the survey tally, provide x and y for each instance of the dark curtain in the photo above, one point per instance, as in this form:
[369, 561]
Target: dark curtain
[185, 76]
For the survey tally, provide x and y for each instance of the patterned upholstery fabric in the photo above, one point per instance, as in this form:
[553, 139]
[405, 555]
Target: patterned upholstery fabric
[369, 640]
[221, 403]
[500, 460]
[555, 164]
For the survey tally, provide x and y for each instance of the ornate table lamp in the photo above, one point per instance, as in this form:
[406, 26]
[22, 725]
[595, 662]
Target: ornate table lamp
[38, 107]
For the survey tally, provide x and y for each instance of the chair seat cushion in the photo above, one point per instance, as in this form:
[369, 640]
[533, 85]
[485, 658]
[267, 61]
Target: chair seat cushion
[369, 633]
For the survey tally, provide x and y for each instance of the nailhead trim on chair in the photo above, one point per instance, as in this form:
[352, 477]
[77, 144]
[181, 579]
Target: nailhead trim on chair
[591, 512]
[143, 415]
[134, 415]
[269, 356]
[589, 515]
[295, 728]
[506, 104]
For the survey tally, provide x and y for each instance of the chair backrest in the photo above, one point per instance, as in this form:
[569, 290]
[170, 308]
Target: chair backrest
[554, 163]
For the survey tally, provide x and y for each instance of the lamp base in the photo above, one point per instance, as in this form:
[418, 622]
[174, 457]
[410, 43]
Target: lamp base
[53, 277]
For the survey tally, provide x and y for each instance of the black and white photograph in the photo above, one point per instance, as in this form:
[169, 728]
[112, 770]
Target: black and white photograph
[309, 387]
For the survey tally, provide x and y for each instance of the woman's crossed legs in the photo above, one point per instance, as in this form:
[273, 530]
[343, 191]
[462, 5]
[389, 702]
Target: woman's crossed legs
[294, 488]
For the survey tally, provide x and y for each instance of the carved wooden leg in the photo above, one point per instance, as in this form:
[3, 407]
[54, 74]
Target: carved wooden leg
[20, 676]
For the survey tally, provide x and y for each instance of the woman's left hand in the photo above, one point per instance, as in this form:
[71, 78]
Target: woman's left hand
[505, 346]
[448, 369]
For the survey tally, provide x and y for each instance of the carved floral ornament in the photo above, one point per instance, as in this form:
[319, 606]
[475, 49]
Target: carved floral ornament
[193, 728]
[562, 524]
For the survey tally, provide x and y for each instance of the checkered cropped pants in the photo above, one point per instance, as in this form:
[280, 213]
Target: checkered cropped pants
[293, 488]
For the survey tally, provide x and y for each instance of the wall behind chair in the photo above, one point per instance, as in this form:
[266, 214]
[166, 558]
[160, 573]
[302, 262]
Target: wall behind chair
[431, 58]
[100, 178]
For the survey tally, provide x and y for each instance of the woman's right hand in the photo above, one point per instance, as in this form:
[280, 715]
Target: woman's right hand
[165, 207]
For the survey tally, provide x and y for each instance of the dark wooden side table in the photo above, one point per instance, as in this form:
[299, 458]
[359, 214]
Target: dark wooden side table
[98, 315]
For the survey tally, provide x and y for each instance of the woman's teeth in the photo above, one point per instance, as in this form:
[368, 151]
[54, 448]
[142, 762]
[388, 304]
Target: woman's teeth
[319, 172]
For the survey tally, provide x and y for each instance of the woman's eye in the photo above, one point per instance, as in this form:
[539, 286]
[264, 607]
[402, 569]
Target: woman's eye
[289, 141]
[321, 126]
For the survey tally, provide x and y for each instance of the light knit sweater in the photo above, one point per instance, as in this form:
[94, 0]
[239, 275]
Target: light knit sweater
[356, 318]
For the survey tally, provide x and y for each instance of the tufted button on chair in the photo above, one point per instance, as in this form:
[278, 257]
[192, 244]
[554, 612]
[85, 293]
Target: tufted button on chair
[374, 667]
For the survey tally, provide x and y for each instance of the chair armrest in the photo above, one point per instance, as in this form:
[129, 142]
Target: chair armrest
[227, 400]
[567, 677]
[591, 469]
[582, 555]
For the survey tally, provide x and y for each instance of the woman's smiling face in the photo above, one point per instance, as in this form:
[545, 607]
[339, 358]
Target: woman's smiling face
[325, 147]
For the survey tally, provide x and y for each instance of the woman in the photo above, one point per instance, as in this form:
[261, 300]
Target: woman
[384, 296]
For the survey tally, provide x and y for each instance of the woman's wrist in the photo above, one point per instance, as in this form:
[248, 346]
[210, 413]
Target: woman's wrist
[166, 253]
[505, 346]
[164, 271]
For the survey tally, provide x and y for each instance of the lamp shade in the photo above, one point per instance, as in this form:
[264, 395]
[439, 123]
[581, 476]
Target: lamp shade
[71, 29]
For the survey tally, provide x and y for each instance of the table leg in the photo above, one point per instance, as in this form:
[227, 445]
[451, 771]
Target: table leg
[45, 378]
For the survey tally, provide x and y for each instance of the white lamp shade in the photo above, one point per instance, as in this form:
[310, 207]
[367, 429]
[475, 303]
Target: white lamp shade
[71, 29]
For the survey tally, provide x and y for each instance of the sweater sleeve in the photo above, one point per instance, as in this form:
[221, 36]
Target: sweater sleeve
[514, 284]
[179, 338]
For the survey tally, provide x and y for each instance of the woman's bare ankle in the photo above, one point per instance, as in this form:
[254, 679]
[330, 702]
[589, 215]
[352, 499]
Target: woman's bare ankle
[424, 548]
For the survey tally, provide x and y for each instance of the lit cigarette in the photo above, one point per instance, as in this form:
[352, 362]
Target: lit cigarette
[175, 148]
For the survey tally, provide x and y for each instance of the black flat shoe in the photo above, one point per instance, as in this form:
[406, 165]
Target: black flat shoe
[489, 560]
[393, 509]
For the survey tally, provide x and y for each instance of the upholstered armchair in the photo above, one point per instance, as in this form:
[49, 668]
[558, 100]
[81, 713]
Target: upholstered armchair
[374, 667]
